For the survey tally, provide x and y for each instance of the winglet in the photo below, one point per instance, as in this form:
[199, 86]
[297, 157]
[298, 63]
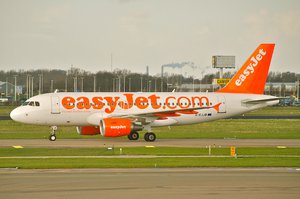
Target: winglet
[252, 76]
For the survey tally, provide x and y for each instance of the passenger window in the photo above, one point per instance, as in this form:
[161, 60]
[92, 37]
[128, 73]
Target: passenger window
[37, 104]
[31, 104]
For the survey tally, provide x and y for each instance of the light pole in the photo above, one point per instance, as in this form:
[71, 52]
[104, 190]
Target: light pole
[66, 83]
[297, 86]
[124, 84]
[94, 83]
[141, 84]
[113, 84]
[32, 86]
[81, 83]
[51, 87]
[6, 88]
[28, 86]
[119, 81]
[149, 86]
[40, 83]
[15, 77]
[129, 89]
[75, 84]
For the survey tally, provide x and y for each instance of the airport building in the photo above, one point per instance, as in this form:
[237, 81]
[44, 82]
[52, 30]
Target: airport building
[8, 89]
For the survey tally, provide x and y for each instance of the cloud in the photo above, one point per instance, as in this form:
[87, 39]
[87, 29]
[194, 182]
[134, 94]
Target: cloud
[266, 23]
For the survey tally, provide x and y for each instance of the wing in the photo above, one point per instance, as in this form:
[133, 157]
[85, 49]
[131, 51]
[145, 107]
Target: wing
[147, 117]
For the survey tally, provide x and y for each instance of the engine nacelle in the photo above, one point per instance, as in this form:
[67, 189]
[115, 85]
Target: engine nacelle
[116, 127]
[88, 130]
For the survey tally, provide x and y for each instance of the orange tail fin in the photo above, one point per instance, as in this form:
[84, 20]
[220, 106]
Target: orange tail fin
[252, 76]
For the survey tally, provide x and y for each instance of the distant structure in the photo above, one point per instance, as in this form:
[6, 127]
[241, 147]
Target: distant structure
[8, 89]
[220, 62]
[177, 65]
[147, 70]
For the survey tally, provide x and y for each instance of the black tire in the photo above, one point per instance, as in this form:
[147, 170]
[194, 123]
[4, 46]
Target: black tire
[150, 137]
[52, 137]
[133, 136]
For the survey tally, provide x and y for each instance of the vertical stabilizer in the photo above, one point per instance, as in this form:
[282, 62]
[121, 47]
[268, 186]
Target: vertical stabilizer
[252, 76]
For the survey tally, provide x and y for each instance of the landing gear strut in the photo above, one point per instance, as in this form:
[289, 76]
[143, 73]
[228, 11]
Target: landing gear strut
[150, 137]
[52, 136]
[133, 135]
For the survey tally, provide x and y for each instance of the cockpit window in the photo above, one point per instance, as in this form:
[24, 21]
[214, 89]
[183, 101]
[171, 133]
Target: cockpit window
[25, 103]
[31, 103]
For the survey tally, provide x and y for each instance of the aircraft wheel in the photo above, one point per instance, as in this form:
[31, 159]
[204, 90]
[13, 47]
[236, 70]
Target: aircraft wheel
[150, 137]
[133, 136]
[52, 137]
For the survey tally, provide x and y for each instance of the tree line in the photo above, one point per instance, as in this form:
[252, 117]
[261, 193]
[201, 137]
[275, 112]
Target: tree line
[118, 80]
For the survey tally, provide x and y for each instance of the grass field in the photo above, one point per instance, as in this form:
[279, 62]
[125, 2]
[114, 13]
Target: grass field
[43, 158]
[157, 151]
[51, 163]
[5, 110]
[229, 128]
[276, 110]
[30, 158]
[50, 158]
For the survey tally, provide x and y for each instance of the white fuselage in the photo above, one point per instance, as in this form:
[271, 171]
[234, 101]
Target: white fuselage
[88, 108]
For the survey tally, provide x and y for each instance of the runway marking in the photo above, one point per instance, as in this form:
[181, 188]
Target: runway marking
[18, 147]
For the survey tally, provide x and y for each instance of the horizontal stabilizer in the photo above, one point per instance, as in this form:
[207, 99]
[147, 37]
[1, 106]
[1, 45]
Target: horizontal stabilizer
[251, 101]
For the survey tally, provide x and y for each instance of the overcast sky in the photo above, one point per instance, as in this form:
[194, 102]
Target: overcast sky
[53, 34]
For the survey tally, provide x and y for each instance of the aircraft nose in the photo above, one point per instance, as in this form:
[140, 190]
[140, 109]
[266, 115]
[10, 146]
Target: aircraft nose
[15, 115]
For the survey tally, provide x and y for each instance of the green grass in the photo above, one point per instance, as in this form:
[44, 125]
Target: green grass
[160, 151]
[276, 110]
[29, 163]
[5, 110]
[220, 129]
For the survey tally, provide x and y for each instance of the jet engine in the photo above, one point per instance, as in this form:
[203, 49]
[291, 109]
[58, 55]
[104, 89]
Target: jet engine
[88, 130]
[116, 127]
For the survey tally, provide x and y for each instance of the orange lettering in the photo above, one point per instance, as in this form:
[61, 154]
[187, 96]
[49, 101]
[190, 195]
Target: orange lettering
[84, 104]
[98, 104]
[129, 103]
[168, 104]
[183, 105]
[154, 103]
[200, 100]
[68, 102]
[112, 103]
[141, 102]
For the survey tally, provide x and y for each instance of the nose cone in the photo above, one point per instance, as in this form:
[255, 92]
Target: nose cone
[16, 115]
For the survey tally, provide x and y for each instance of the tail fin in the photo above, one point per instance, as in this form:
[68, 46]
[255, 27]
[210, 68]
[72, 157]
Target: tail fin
[252, 76]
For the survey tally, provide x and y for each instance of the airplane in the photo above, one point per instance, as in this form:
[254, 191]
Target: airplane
[126, 113]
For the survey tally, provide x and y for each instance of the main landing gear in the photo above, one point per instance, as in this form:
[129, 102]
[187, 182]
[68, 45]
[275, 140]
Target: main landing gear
[134, 135]
[52, 136]
[149, 136]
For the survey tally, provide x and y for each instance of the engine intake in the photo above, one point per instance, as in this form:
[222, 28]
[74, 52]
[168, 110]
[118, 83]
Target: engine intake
[116, 127]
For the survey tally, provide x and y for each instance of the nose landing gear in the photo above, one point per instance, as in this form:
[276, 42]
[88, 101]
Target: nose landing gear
[52, 136]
